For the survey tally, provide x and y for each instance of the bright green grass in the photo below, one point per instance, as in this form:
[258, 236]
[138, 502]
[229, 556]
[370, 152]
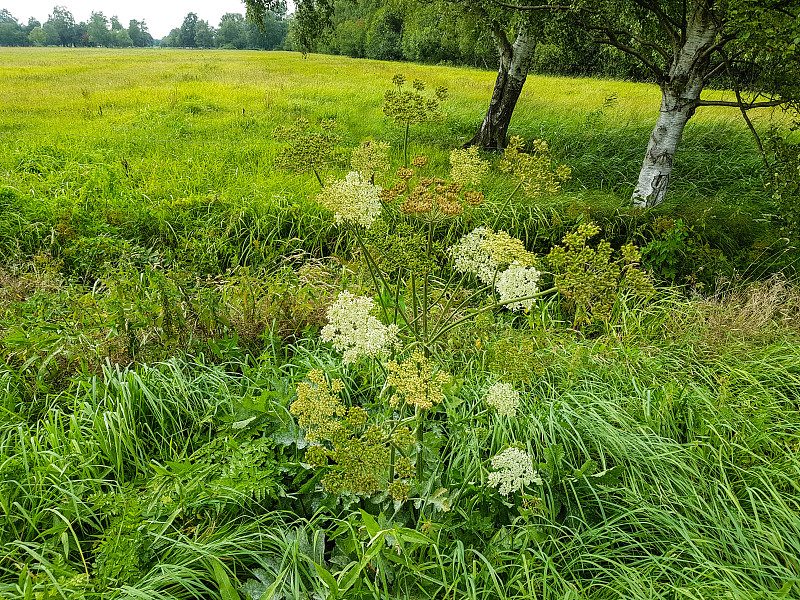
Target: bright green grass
[133, 132]
[169, 152]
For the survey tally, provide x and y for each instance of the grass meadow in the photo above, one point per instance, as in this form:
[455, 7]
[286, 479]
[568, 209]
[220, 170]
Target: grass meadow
[165, 285]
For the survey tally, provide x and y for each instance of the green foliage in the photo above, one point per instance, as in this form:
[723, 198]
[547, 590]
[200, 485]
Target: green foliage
[785, 182]
[677, 254]
[308, 151]
[590, 279]
[148, 445]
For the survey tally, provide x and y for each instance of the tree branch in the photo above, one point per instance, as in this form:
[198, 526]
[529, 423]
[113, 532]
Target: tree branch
[741, 105]
[527, 7]
[667, 22]
[746, 118]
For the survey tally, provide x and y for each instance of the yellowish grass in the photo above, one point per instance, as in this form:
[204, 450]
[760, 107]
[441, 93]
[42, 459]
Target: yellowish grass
[49, 90]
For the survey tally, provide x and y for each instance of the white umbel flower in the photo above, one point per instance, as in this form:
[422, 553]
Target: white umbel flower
[513, 471]
[354, 330]
[470, 257]
[518, 281]
[503, 398]
[352, 200]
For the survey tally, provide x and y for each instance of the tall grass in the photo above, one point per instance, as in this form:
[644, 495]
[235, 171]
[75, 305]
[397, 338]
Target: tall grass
[139, 188]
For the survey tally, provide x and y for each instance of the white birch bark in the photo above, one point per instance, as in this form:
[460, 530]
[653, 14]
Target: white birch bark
[656, 168]
[679, 93]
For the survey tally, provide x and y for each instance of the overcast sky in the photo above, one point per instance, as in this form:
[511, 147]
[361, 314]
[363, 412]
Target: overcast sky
[160, 15]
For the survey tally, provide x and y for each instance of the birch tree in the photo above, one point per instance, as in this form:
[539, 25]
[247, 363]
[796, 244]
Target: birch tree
[514, 32]
[515, 59]
[747, 44]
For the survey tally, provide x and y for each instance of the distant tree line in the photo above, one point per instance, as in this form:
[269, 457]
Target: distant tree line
[427, 32]
[60, 29]
[233, 32]
[446, 33]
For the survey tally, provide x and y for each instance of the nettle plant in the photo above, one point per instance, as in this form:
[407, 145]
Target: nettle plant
[422, 292]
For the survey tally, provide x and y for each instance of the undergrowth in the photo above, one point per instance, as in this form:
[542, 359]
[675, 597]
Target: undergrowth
[167, 276]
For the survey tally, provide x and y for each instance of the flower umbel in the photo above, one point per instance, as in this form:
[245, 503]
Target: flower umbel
[370, 159]
[503, 398]
[354, 330]
[352, 200]
[505, 249]
[469, 255]
[518, 281]
[534, 171]
[467, 167]
[415, 382]
[513, 471]
[318, 408]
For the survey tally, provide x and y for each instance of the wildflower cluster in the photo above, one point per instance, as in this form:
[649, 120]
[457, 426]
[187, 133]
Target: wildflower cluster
[518, 281]
[370, 160]
[352, 200]
[503, 398]
[470, 256]
[356, 455]
[403, 438]
[505, 249]
[412, 106]
[317, 407]
[415, 383]
[484, 253]
[354, 330]
[533, 171]
[467, 167]
[590, 279]
[431, 196]
[307, 151]
[513, 471]
[358, 463]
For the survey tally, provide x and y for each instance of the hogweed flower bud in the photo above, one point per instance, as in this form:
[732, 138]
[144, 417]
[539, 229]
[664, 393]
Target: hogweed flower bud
[419, 161]
[415, 382]
[467, 167]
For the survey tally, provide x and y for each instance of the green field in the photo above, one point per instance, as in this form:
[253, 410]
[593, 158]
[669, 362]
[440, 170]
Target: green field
[166, 282]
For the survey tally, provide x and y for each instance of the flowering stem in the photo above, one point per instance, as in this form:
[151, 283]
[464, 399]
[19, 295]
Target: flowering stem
[464, 302]
[458, 322]
[373, 269]
[419, 434]
[405, 148]
[425, 292]
[505, 204]
[414, 304]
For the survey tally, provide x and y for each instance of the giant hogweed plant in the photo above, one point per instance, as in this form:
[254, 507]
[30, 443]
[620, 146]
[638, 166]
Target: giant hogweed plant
[408, 107]
[424, 291]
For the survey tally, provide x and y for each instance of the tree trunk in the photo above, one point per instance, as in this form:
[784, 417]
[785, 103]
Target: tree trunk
[680, 92]
[657, 166]
[515, 60]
